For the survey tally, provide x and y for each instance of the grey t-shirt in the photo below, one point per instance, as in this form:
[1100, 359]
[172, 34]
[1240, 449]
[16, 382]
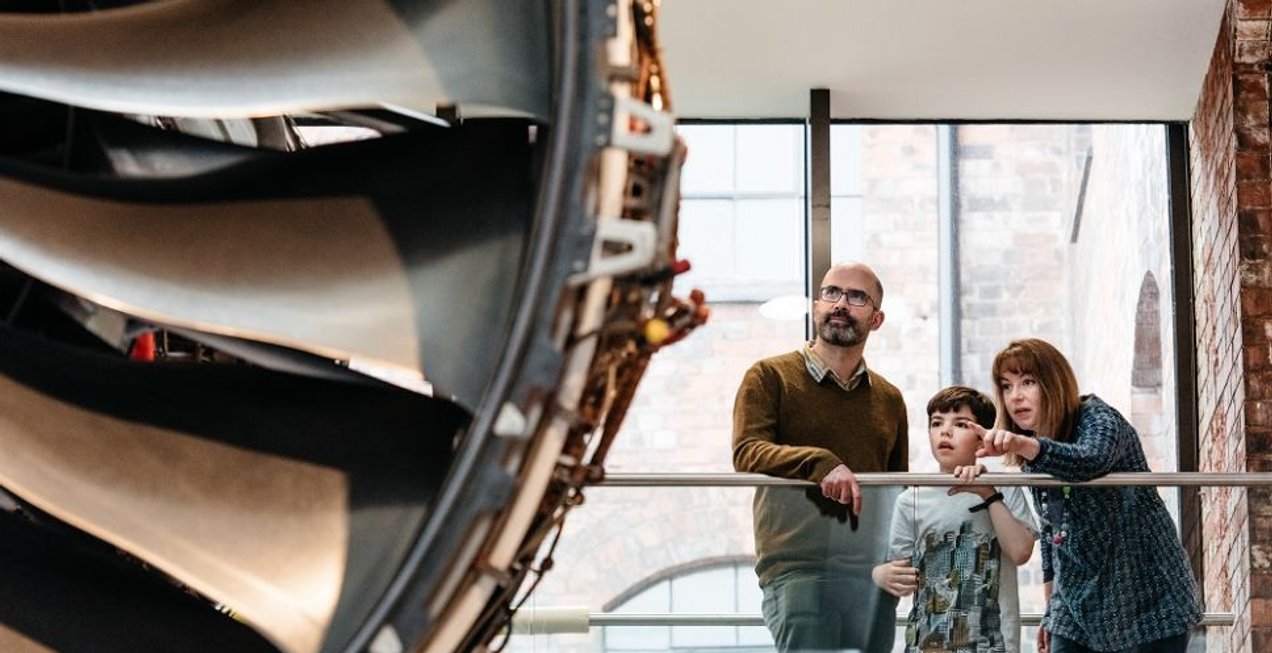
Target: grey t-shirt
[967, 601]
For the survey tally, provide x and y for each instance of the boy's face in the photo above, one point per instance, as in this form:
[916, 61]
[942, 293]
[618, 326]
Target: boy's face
[953, 442]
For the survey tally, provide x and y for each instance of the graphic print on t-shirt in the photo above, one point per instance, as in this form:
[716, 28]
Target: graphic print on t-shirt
[956, 607]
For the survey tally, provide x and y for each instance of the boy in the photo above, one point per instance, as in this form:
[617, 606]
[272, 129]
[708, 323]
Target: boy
[959, 548]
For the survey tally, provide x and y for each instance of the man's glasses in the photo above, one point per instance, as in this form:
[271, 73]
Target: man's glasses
[832, 294]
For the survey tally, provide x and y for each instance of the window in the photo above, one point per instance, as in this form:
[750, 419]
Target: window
[727, 588]
[1021, 271]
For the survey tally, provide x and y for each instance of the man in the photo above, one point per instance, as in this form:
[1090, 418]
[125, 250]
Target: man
[821, 414]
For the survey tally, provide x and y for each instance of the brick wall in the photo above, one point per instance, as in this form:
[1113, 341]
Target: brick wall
[899, 196]
[1122, 251]
[1218, 219]
[1251, 58]
[1014, 191]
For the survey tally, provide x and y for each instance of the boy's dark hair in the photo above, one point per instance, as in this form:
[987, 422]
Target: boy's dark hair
[956, 396]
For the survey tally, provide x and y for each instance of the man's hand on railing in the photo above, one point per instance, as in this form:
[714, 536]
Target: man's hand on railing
[841, 485]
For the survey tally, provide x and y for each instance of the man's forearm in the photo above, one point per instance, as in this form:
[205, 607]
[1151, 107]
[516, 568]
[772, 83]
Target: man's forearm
[758, 456]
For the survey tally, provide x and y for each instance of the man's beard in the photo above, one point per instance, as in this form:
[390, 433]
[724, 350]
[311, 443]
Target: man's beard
[847, 334]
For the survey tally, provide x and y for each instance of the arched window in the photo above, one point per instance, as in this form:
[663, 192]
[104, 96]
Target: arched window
[1148, 406]
[714, 586]
[1147, 409]
[1146, 372]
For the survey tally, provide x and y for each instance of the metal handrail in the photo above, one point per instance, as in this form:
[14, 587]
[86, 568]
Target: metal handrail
[651, 619]
[735, 479]
[548, 620]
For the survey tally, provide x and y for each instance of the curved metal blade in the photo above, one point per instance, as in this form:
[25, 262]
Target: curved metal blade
[287, 499]
[107, 144]
[65, 591]
[394, 251]
[15, 642]
[244, 58]
[271, 257]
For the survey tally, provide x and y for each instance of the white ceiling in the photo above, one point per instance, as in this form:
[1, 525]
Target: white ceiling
[934, 59]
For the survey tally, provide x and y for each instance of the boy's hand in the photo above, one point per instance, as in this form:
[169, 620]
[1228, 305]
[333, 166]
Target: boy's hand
[897, 578]
[968, 473]
[965, 474]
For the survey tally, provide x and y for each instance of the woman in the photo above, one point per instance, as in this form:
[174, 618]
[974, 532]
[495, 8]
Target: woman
[1116, 577]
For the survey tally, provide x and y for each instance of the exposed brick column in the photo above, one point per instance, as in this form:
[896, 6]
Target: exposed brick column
[1252, 28]
[1232, 258]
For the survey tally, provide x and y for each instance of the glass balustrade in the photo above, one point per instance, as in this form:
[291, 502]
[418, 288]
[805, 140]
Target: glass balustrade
[670, 561]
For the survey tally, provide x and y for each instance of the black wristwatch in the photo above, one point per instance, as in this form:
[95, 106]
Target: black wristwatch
[984, 505]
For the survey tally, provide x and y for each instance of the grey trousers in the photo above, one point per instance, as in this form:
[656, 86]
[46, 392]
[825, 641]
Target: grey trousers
[810, 612]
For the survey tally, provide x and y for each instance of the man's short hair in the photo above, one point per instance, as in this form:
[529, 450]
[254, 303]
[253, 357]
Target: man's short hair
[956, 396]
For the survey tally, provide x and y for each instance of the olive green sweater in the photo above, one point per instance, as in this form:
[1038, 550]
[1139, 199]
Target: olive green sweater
[787, 424]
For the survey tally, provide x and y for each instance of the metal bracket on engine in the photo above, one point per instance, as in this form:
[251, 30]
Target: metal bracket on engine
[641, 239]
[655, 139]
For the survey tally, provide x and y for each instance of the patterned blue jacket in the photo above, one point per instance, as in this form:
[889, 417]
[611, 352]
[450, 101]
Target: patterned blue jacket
[1121, 577]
